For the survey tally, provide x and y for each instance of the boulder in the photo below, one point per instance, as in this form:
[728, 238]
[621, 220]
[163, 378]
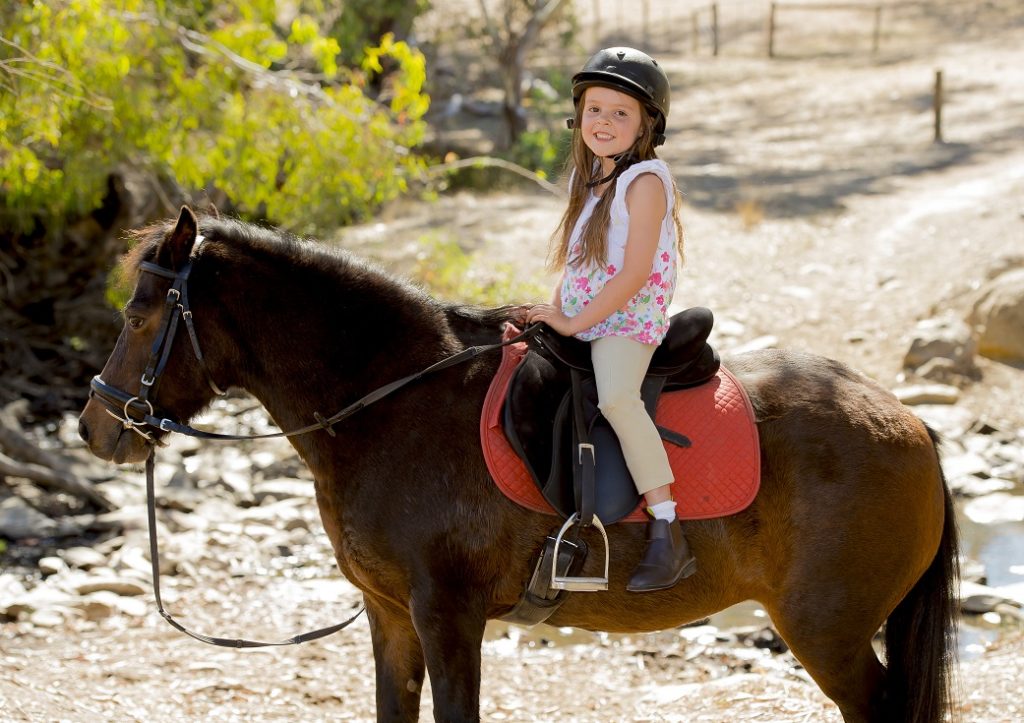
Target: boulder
[18, 520]
[998, 316]
[927, 394]
[282, 489]
[947, 338]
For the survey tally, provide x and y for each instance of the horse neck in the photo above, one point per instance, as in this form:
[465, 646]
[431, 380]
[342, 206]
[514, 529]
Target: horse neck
[306, 340]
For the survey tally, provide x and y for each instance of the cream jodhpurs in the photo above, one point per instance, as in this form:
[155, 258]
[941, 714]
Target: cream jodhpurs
[620, 365]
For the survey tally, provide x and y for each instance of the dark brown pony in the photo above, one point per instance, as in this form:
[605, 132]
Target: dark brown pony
[852, 530]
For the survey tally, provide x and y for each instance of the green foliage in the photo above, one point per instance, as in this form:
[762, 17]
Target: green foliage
[449, 272]
[209, 95]
[543, 151]
[361, 22]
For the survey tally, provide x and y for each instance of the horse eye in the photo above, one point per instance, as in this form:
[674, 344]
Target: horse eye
[135, 322]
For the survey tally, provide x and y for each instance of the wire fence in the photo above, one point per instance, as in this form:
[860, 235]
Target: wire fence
[743, 28]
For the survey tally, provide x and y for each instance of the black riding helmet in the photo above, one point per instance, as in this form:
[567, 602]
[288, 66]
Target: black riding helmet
[632, 72]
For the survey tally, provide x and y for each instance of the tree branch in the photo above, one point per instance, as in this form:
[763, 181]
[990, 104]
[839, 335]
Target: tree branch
[48, 469]
[51, 480]
[478, 161]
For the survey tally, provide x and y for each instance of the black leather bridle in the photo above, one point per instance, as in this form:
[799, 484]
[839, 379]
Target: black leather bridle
[176, 308]
[123, 405]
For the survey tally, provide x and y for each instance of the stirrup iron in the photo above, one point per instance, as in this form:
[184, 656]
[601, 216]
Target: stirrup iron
[580, 584]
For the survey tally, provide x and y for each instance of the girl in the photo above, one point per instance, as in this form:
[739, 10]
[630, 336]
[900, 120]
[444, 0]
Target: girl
[617, 246]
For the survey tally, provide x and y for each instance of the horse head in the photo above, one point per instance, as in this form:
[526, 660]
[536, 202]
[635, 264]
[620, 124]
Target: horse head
[157, 369]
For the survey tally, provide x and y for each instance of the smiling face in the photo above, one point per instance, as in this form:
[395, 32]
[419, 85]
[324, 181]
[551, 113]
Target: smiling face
[610, 122]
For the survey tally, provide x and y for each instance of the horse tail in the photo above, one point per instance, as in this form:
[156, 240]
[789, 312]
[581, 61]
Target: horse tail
[920, 634]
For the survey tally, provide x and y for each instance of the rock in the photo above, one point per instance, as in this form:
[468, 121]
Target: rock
[951, 421]
[978, 599]
[131, 606]
[83, 558]
[52, 565]
[939, 369]
[767, 639]
[128, 518]
[963, 465]
[1002, 264]
[236, 482]
[275, 514]
[282, 489]
[11, 589]
[762, 342]
[18, 520]
[945, 337]
[46, 618]
[998, 507]
[41, 597]
[182, 499]
[998, 315]
[97, 606]
[927, 394]
[979, 486]
[729, 327]
[118, 585]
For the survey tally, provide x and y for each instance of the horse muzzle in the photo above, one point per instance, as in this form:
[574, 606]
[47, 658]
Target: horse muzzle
[116, 425]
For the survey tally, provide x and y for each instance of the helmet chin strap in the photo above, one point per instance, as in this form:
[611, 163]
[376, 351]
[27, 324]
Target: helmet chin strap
[622, 161]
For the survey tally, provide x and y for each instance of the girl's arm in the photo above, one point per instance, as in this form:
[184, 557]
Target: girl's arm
[646, 202]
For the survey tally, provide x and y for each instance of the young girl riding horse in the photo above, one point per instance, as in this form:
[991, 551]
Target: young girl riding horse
[617, 247]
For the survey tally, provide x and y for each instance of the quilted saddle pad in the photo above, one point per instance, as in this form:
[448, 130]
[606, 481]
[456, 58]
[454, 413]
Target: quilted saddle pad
[718, 475]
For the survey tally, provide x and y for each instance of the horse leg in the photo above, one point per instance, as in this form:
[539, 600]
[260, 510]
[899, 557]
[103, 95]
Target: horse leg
[450, 623]
[398, 662]
[839, 658]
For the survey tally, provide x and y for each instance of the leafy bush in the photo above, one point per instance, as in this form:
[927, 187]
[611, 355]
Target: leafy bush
[210, 95]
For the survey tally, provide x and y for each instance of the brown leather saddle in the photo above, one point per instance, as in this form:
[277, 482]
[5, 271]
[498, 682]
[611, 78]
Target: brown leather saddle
[552, 420]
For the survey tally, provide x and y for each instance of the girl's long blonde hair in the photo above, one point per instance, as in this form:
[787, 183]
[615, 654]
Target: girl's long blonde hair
[594, 239]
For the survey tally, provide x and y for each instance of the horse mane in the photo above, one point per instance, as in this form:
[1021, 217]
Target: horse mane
[476, 325]
[472, 324]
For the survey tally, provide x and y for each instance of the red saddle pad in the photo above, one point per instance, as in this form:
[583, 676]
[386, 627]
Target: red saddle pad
[719, 475]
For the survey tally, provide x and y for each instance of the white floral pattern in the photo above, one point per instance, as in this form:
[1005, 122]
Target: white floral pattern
[645, 316]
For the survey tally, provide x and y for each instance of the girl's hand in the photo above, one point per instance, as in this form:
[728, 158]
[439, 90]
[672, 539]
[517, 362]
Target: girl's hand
[552, 316]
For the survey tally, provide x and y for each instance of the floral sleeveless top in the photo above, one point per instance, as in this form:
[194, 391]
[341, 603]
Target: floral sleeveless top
[645, 316]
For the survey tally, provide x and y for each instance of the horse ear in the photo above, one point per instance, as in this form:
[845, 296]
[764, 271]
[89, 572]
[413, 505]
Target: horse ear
[178, 246]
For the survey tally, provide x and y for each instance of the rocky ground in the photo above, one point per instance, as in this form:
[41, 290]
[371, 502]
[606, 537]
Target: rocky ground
[820, 216]
[243, 555]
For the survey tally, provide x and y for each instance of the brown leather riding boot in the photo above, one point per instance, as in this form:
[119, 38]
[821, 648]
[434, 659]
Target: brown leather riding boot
[667, 559]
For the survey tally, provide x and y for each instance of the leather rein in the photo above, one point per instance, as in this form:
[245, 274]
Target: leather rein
[122, 406]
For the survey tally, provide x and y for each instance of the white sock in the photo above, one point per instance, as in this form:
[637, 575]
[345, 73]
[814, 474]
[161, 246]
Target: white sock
[664, 510]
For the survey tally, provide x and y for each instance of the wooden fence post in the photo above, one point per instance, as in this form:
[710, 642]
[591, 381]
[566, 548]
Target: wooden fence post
[646, 12]
[597, 23]
[668, 23]
[876, 36]
[714, 29]
[937, 106]
[771, 31]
